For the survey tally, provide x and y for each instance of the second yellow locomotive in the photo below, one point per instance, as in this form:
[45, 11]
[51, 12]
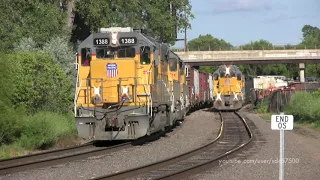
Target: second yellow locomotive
[229, 88]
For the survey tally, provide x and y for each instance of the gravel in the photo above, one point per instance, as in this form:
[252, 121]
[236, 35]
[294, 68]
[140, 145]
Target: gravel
[301, 149]
[198, 129]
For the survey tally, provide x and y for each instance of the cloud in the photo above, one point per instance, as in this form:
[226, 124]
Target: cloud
[286, 17]
[231, 6]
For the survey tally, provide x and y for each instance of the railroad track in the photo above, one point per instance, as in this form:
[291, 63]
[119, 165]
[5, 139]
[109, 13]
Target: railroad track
[234, 134]
[54, 157]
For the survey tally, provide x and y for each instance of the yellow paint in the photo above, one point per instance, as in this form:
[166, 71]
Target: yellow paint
[221, 86]
[182, 79]
[128, 68]
[173, 76]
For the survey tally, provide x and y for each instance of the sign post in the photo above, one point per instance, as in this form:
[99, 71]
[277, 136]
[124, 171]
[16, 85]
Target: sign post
[281, 152]
[281, 122]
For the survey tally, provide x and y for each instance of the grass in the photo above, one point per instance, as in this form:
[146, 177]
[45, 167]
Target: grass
[305, 108]
[38, 132]
[265, 116]
[262, 111]
[314, 126]
[12, 150]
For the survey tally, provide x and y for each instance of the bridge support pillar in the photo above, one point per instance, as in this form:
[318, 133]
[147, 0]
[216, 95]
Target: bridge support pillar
[302, 69]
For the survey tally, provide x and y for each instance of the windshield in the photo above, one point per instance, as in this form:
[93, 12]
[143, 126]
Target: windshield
[121, 51]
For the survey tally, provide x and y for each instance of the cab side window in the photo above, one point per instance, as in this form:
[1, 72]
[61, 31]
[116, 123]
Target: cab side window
[238, 76]
[145, 55]
[173, 64]
[85, 56]
[182, 68]
[215, 76]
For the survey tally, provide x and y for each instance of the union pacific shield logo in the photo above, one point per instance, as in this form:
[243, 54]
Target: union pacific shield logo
[228, 82]
[112, 70]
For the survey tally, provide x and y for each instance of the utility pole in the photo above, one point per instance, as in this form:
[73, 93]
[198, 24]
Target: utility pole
[185, 31]
[185, 40]
[185, 35]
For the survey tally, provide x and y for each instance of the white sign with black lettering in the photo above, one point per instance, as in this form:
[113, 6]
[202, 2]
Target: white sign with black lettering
[282, 122]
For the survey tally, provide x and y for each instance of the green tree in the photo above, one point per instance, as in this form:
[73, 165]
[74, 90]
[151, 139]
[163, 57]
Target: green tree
[311, 37]
[258, 45]
[30, 18]
[208, 43]
[266, 69]
[311, 40]
[161, 18]
[208, 69]
[310, 31]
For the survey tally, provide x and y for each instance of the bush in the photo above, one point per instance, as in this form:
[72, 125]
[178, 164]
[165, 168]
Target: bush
[304, 107]
[262, 107]
[41, 85]
[59, 50]
[9, 128]
[43, 129]
[31, 82]
[316, 93]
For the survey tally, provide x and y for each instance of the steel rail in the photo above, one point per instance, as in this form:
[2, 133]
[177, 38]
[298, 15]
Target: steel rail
[180, 173]
[152, 169]
[146, 168]
[54, 157]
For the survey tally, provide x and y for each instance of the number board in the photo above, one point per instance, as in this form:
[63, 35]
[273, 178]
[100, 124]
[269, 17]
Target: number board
[101, 41]
[128, 40]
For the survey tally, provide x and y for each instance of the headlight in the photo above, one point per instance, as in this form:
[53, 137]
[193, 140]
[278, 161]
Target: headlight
[227, 70]
[235, 96]
[97, 99]
[125, 92]
[97, 91]
[114, 40]
[218, 97]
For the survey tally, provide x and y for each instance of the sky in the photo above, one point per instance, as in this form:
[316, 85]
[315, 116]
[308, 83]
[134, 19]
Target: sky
[242, 21]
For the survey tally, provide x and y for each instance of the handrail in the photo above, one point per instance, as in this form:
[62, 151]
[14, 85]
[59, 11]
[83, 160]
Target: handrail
[76, 95]
[101, 80]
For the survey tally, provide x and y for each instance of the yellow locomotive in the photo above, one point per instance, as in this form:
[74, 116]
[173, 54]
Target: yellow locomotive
[128, 85]
[229, 88]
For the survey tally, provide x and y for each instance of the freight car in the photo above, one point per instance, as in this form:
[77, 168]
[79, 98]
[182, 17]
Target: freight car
[200, 87]
[130, 85]
[229, 88]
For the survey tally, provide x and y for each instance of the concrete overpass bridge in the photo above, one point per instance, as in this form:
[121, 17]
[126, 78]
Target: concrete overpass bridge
[211, 58]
